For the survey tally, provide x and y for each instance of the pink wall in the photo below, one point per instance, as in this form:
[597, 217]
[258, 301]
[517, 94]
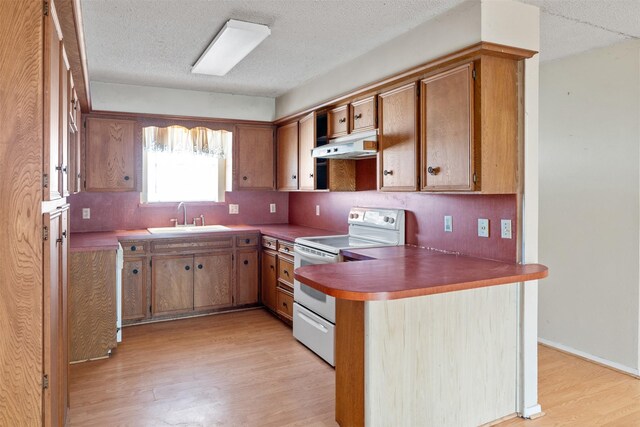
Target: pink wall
[122, 211]
[425, 218]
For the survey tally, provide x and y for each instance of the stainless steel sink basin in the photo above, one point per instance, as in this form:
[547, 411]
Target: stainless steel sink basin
[188, 229]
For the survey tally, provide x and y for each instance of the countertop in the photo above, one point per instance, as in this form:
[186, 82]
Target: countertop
[407, 271]
[108, 240]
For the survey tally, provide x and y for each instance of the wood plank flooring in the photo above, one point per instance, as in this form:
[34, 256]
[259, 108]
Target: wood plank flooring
[245, 369]
[236, 369]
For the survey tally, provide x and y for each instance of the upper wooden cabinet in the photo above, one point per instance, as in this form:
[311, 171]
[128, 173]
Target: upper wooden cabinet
[398, 126]
[446, 101]
[338, 121]
[469, 128]
[363, 115]
[287, 141]
[306, 163]
[254, 158]
[110, 155]
[53, 70]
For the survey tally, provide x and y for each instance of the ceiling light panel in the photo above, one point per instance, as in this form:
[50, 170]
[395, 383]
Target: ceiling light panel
[234, 42]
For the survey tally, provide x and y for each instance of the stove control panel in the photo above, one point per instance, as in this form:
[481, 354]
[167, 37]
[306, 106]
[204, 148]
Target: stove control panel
[376, 218]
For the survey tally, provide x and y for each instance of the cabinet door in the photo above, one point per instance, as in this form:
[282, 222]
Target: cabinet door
[52, 67]
[287, 138]
[134, 289]
[55, 355]
[110, 155]
[247, 277]
[307, 164]
[212, 281]
[398, 139]
[255, 158]
[363, 114]
[64, 124]
[338, 121]
[269, 280]
[447, 130]
[171, 284]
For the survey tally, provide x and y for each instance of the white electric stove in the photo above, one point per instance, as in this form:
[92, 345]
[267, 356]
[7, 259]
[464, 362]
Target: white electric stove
[313, 311]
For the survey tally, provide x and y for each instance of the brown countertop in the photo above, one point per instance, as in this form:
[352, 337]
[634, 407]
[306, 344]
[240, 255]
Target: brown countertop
[407, 271]
[108, 240]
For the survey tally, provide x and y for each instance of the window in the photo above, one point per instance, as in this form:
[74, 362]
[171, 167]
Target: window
[181, 164]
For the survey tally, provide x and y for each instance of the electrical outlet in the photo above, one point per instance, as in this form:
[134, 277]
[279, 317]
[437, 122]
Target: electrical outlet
[448, 224]
[483, 227]
[86, 213]
[272, 208]
[234, 209]
[318, 210]
[505, 228]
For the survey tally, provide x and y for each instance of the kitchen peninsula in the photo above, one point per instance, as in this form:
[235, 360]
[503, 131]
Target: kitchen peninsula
[423, 337]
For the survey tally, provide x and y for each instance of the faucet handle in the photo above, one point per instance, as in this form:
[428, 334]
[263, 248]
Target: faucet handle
[202, 219]
[195, 219]
[174, 221]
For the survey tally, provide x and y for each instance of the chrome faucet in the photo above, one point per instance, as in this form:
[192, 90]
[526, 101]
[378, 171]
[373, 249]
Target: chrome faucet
[184, 207]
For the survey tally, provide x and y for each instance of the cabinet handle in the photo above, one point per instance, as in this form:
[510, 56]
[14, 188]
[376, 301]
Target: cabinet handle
[244, 178]
[133, 248]
[357, 116]
[284, 304]
[310, 175]
[386, 172]
[286, 272]
[64, 169]
[126, 177]
[199, 266]
[135, 271]
[294, 177]
[186, 267]
[286, 249]
[342, 120]
[246, 262]
[58, 168]
[433, 171]
[247, 241]
[64, 233]
[272, 267]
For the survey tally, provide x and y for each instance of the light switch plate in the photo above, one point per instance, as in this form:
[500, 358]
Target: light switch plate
[483, 227]
[448, 224]
[505, 228]
[234, 209]
[318, 210]
[272, 208]
[86, 213]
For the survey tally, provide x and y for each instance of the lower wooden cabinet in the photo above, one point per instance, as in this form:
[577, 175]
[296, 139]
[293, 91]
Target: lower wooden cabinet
[171, 284]
[247, 277]
[285, 304]
[269, 280]
[134, 289]
[177, 277]
[212, 281]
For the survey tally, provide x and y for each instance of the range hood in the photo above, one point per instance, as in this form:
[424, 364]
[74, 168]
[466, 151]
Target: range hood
[355, 146]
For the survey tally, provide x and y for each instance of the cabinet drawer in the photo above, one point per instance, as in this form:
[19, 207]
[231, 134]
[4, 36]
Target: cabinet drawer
[251, 240]
[285, 271]
[363, 114]
[269, 242]
[338, 121]
[285, 247]
[164, 246]
[134, 248]
[285, 304]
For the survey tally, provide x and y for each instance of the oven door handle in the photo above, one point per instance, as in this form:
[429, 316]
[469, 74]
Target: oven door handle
[307, 255]
[312, 322]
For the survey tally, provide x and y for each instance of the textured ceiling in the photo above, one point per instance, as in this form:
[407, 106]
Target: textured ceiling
[155, 42]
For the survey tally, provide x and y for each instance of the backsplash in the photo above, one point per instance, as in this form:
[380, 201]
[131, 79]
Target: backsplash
[424, 218]
[123, 211]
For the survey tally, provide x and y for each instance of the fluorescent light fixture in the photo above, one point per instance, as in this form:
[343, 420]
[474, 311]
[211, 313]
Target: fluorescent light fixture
[235, 41]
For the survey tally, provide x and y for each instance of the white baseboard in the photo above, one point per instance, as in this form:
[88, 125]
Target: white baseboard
[614, 365]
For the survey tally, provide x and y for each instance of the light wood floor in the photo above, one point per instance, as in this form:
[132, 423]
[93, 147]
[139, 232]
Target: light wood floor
[245, 369]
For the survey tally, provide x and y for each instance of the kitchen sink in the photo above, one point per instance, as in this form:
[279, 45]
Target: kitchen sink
[187, 229]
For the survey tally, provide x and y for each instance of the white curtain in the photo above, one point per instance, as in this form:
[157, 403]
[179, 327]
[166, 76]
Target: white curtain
[199, 140]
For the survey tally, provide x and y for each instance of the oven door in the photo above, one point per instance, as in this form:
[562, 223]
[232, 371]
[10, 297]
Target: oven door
[316, 301]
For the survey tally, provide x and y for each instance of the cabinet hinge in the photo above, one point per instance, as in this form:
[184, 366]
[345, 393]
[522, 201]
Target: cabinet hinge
[475, 178]
[150, 263]
[45, 180]
[45, 381]
[473, 74]
[45, 8]
[45, 233]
